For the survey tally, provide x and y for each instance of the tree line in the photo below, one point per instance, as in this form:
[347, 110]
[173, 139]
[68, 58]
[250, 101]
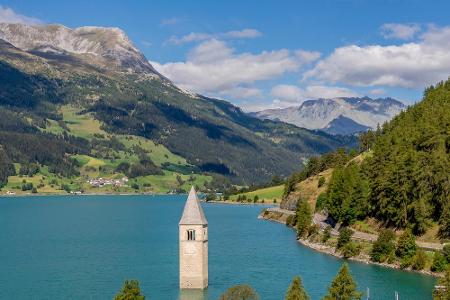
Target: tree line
[342, 287]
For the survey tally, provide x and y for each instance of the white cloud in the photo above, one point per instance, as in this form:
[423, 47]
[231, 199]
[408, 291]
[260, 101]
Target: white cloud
[242, 92]
[210, 52]
[308, 56]
[409, 65]
[7, 15]
[399, 31]
[321, 91]
[286, 95]
[247, 33]
[289, 95]
[214, 68]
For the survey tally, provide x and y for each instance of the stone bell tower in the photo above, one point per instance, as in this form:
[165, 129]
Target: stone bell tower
[193, 237]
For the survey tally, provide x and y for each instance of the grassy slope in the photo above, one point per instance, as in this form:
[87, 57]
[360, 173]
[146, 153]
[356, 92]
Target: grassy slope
[84, 125]
[267, 194]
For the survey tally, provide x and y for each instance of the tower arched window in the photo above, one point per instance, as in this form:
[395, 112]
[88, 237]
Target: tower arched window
[191, 235]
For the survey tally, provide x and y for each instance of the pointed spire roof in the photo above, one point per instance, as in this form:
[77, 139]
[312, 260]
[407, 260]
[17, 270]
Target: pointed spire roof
[193, 212]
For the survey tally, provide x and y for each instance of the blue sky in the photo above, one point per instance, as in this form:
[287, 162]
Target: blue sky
[261, 54]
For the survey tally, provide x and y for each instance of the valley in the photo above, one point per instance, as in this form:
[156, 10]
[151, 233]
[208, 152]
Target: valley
[113, 107]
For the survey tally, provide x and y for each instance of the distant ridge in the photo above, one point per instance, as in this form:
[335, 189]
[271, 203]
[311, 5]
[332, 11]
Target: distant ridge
[345, 115]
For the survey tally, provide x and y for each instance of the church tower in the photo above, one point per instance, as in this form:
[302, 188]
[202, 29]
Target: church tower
[193, 237]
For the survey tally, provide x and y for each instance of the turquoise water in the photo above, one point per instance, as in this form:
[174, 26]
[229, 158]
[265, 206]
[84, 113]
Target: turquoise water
[83, 247]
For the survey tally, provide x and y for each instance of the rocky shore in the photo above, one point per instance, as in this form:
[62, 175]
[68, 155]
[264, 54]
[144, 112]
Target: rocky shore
[280, 217]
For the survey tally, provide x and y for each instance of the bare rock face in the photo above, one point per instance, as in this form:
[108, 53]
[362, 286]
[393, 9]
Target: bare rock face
[107, 46]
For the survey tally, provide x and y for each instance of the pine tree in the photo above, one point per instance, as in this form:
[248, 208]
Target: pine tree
[303, 217]
[130, 291]
[296, 290]
[406, 245]
[444, 230]
[343, 286]
[336, 194]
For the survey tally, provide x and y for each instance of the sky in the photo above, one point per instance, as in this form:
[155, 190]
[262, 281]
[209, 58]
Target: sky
[271, 54]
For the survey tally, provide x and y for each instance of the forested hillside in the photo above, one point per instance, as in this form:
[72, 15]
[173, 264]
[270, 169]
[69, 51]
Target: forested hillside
[403, 177]
[409, 172]
[123, 95]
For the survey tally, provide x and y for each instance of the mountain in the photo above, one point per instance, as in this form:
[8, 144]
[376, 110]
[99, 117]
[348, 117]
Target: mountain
[91, 91]
[337, 115]
[97, 45]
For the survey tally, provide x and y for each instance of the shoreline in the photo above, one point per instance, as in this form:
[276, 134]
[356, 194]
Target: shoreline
[239, 203]
[361, 258]
[85, 194]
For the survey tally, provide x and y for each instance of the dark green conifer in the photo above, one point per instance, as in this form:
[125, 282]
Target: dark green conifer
[296, 290]
[343, 287]
[303, 217]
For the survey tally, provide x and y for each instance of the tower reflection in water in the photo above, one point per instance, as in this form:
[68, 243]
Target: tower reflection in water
[194, 294]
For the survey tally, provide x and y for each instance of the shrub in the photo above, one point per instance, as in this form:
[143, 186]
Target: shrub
[384, 246]
[34, 190]
[255, 199]
[326, 234]
[211, 197]
[123, 167]
[439, 262]
[419, 260]
[351, 249]
[406, 245]
[27, 186]
[66, 188]
[290, 220]
[321, 182]
[406, 262]
[321, 200]
[313, 229]
[446, 252]
[345, 236]
[240, 292]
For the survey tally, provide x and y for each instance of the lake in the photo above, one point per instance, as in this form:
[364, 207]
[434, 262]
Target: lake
[84, 247]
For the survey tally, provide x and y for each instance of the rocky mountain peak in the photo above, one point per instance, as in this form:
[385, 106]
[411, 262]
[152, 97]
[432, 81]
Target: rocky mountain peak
[105, 45]
[342, 115]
